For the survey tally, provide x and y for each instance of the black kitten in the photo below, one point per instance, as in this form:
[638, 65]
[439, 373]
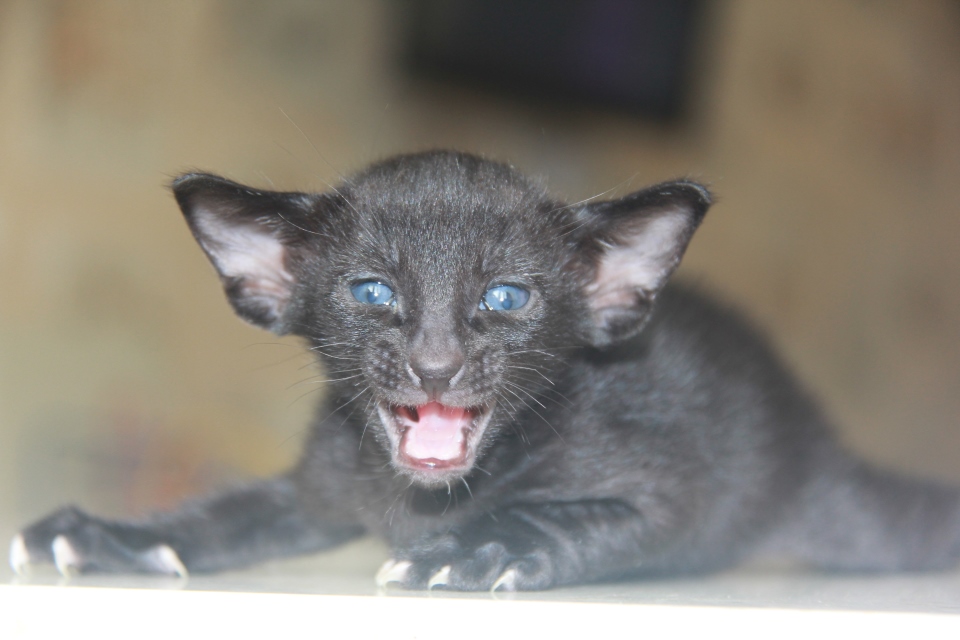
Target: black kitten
[516, 401]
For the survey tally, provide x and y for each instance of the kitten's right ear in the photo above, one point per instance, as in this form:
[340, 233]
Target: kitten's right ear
[249, 235]
[632, 246]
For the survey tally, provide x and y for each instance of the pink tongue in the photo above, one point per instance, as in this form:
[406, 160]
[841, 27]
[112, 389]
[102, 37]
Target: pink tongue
[437, 435]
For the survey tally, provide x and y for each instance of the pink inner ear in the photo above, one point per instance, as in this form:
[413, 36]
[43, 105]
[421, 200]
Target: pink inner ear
[248, 252]
[642, 262]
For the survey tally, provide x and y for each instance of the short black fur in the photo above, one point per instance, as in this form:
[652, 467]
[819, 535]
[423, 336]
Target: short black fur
[611, 426]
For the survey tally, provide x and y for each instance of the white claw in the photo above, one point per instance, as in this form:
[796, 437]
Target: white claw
[392, 571]
[65, 557]
[19, 557]
[440, 578]
[506, 582]
[166, 560]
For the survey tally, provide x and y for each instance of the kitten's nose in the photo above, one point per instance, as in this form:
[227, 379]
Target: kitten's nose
[435, 376]
[436, 356]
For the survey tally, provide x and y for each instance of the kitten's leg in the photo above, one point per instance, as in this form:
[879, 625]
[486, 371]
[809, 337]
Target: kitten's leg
[226, 530]
[526, 547]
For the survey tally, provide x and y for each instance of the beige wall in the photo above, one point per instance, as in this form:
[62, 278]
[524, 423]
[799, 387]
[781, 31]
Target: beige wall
[830, 131]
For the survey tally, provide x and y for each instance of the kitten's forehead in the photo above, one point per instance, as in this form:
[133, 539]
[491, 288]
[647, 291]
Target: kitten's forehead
[445, 243]
[440, 172]
[436, 208]
[442, 188]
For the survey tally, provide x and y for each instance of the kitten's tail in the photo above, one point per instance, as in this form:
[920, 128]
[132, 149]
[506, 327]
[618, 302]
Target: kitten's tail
[855, 517]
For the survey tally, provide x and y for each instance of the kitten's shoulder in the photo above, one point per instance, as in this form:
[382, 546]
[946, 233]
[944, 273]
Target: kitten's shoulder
[700, 327]
[690, 308]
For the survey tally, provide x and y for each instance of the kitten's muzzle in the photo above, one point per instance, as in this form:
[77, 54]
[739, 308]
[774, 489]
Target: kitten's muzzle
[434, 442]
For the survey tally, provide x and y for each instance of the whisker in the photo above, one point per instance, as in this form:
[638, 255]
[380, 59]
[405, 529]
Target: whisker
[449, 499]
[267, 179]
[504, 398]
[545, 393]
[313, 363]
[599, 195]
[535, 370]
[516, 426]
[544, 353]
[482, 470]
[366, 388]
[467, 485]
[296, 226]
[326, 417]
[366, 423]
[332, 344]
[323, 381]
[539, 415]
[278, 344]
[530, 395]
[278, 362]
[327, 355]
[315, 150]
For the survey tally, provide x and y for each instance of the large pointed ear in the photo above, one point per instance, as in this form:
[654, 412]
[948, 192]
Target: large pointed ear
[249, 235]
[631, 246]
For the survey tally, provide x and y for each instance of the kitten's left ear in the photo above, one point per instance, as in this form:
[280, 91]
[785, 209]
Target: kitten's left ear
[249, 236]
[632, 245]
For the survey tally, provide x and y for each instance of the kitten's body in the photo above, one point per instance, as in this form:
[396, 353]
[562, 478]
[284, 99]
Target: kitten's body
[575, 436]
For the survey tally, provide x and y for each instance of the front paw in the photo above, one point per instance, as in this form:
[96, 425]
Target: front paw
[452, 562]
[77, 543]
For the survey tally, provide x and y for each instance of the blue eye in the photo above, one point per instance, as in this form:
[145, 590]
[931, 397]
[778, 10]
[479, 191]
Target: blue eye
[373, 292]
[504, 297]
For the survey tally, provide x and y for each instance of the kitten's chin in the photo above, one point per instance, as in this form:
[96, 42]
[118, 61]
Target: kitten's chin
[434, 443]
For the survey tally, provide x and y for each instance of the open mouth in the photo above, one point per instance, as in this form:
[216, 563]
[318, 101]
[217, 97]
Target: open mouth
[434, 438]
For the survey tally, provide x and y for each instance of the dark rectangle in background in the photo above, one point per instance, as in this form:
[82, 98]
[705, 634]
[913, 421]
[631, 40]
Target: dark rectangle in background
[628, 54]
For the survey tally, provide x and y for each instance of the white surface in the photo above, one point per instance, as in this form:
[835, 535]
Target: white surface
[334, 596]
[48, 612]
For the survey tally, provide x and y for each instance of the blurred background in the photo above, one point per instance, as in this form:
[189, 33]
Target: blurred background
[829, 129]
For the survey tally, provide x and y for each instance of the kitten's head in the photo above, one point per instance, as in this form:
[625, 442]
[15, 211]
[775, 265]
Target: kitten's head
[441, 290]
